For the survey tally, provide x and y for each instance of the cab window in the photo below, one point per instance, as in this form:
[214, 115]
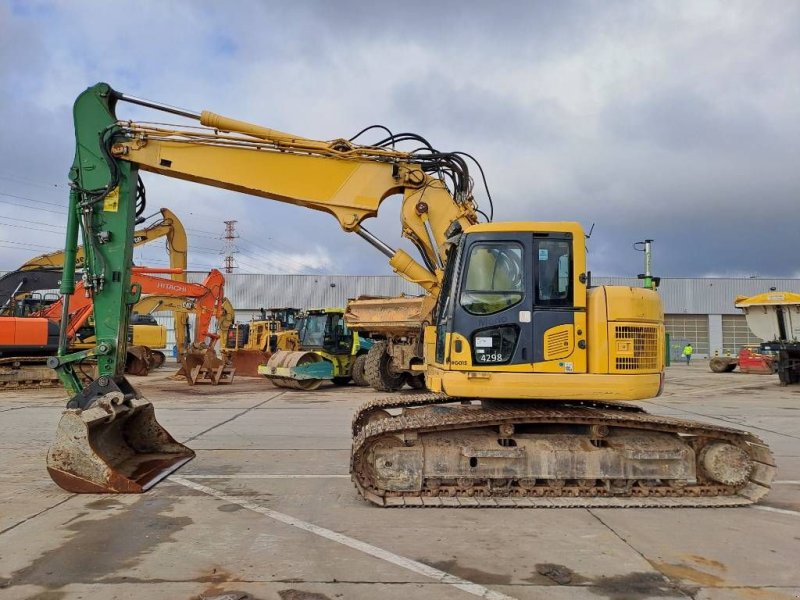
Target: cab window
[494, 278]
[553, 272]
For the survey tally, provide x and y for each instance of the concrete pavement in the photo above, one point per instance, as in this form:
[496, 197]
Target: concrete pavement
[267, 511]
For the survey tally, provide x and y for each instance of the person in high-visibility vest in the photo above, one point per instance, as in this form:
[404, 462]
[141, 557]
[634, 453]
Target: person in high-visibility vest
[687, 353]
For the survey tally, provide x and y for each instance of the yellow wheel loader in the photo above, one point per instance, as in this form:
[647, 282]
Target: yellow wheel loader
[249, 345]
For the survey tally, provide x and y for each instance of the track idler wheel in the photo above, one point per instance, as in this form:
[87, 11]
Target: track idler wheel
[725, 463]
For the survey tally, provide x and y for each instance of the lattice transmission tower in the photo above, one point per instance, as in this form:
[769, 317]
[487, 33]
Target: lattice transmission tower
[230, 246]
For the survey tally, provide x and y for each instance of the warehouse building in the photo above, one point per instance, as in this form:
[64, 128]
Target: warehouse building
[698, 310]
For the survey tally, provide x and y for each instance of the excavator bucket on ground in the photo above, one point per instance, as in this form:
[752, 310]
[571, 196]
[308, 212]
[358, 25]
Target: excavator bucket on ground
[141, 360]
[246, 362]
[115, 446]
[204, 366]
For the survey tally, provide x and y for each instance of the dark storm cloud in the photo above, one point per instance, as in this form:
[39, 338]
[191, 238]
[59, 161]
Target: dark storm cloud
[470, 112]
[678, 121]
[683, 120]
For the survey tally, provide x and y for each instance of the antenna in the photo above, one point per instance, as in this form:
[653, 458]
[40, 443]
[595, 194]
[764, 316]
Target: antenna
[649, 281]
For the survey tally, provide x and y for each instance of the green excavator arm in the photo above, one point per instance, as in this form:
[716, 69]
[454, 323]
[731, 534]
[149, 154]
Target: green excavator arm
[108, 439]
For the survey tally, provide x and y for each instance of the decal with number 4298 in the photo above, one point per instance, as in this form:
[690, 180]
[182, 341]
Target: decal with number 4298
[491, 357]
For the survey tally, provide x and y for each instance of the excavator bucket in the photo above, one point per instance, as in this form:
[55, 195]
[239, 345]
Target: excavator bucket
[205, 367]
[246, 362]
[139, 360]
[115, 446]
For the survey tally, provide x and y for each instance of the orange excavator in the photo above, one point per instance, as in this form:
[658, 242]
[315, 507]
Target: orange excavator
[201, 307]
[25, 292]
[32, 338]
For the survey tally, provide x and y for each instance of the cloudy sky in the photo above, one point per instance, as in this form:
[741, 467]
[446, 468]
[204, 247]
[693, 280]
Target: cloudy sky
[676, 121]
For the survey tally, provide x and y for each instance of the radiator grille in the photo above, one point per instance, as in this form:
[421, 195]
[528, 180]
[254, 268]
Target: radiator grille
[636, 347]
[557, 344]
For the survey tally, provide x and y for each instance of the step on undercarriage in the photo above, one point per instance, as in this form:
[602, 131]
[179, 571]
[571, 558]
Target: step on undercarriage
[431, 450]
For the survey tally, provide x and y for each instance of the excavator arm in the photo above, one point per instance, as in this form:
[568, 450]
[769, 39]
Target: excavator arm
[169, 226]
[206, 305]
[338, 177]
[347, 180]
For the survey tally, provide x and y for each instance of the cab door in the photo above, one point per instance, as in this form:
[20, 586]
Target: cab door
[511, 305]
[489, 311]
[557, 324]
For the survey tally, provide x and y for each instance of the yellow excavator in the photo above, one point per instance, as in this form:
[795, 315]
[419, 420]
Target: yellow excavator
[533, 372]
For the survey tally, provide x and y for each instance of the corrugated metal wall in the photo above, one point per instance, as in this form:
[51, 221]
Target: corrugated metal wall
[251, 292]
[709, 296]
[680, 296]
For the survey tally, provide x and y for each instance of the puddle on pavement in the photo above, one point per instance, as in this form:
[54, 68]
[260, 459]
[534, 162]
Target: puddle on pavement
[473, 575]
[301, 595]
[98, 549]
[634, 586]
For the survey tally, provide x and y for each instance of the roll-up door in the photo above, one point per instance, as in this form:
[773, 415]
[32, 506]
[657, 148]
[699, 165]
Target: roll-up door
[687, 328]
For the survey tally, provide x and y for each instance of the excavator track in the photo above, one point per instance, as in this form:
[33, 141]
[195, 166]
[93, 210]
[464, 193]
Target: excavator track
[26, 372]
[434, 453]
[31, 373]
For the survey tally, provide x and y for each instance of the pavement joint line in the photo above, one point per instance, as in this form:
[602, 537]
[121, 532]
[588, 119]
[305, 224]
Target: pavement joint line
[781, 511]
[263, 476]
[236, 416]
[41, 512]
[786, 482]
[723, 419]
[385, 555]
[639, 552]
